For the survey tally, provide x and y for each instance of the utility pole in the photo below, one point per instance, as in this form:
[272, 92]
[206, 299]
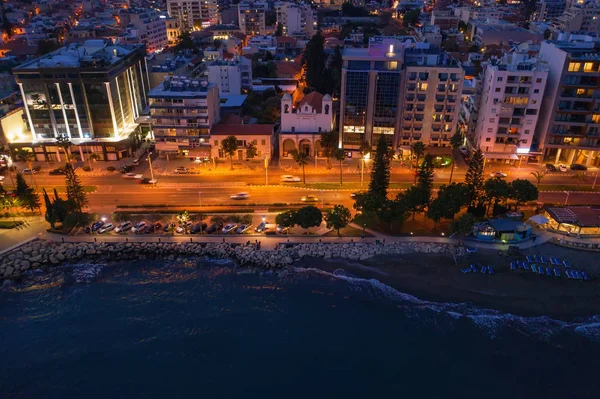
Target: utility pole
[267, 169]
[150, 164]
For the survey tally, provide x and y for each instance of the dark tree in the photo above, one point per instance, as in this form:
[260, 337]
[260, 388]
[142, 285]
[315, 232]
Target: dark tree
[314, 59]
[279, 30]
[474, 178]
[463, 226]
[329, 142]
[338, 218]
[309, 216]
[496, 190]
[75, 193]
[50, 216]
[29, 199]
[286, 219]
[455, 142]
[522, 190]
[380, 174]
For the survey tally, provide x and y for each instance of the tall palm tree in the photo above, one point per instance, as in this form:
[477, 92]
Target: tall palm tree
[65, 144]
[28, 157]
[418, 149]
[301, 158]
[455, 142]
[340, 155]
[93, 157]
[538, 176]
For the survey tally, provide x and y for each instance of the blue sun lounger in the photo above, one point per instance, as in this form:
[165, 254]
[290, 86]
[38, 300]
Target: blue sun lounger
[541, 270]
[543, 259]
[513, 265]
[568, 273]
[536, 259]
[473, 268]
[533, 268]
[530, 259]
[466, 270]
[526, 265]
[490, 270]
[566, 263]
[555, 261]
[556, 272]
[585, 276]
[548, 272]
[483, 269]
[577, 275]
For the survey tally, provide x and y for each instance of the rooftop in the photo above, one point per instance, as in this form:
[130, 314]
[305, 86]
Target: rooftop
[584, 216]
[90, 54]
[181, 86]
[237, 130]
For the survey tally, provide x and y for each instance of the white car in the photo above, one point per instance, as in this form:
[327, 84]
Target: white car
[139, 227]
[123, 227]
[106, 228]
[240, 196]
[562, 168]
[289, 179]
[29, 171]
[228, 228]
[132, 175]
[181, 228]
[1, 178]
[498, 174]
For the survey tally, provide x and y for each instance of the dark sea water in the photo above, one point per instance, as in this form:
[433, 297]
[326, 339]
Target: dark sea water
[198, 329]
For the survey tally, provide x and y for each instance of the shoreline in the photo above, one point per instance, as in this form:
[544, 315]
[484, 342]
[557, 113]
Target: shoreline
[436, 279]
[426, 271]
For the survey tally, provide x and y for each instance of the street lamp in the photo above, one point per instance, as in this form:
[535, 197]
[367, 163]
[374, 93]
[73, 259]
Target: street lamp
[362, 167]
[567, 199]
[103, 219]
[267, 169]
[150, 165]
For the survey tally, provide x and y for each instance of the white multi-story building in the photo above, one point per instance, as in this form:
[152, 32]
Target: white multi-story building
[230, 76]
[302, 125]
[252, 17]
[580, 16]
[183, 112]
[511, 99]
[297, 19]
[199, 13]
[149, 27]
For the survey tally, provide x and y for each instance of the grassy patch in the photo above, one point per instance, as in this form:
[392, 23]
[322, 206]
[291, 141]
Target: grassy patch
[63, 189]
[347, 232]
[568, 187]
[9, 224]
[345, 186]
[421, 226]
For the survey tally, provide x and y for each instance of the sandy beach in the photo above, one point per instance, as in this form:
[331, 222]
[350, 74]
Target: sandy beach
[436, 278]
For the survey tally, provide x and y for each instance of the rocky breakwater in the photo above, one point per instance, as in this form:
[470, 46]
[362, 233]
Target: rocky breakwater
[42, 254]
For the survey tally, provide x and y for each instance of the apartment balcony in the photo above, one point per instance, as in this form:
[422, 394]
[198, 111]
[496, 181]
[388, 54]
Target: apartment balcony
[435, 138]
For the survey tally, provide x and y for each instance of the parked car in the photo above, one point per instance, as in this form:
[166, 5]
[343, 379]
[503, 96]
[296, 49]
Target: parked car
[130, 175]
[183, 227]
[198, 228]
[58, 171]
[578, 166]
[127, 168]
[139, 227]
[167, 226]
[289, 179]
[240, 196]
[96, 226]
[123, 227]
[310, 198]
[228, 228]
[562, 168]
[498, 174]
[146, 180]
[136, 161]
[106, 228]
[28, 171]
[214, 228]
[243, 228]
[182, 170]
[261, 228]
[463, 150]
[550, 167]
[281, 229]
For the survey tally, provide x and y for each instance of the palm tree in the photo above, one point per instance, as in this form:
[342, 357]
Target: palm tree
[301, 158]
[28, 157]
[9, 203]
[65, 144]
[418, 149]
[455, 142]
[340, 155]
[538, 176]
[93, 157]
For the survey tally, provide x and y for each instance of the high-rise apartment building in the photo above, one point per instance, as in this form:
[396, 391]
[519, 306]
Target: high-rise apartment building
[580, 16]
[511, 99]
[296, 19]
[230, 76]
[183, 111]
[252, 17]
[404, 90]
[194, 13]
[431, 91]
[89, 94]
[569, 126]
[149, 27]
[549, 10]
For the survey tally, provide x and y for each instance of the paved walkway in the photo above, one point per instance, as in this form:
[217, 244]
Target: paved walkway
[36, 225]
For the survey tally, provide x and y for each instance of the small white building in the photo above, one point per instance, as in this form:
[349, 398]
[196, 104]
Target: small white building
[258, 135]
[302, 125]
[230, 76]
[296, 19]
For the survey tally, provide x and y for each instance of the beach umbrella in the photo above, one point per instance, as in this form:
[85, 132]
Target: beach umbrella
[539, 219]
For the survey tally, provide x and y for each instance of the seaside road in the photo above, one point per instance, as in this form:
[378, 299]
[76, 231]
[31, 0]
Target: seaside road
[111, 196]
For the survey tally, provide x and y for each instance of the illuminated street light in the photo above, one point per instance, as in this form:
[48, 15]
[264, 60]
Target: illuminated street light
[365, 158]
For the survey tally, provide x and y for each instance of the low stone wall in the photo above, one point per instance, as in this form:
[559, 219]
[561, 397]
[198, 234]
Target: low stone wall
[40, 253]
[586, 246]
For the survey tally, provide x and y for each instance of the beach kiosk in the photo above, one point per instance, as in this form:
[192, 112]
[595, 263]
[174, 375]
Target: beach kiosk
[505, 230]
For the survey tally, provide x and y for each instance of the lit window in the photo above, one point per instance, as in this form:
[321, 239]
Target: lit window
[574, 66]
[596, 118]
[588, 67]
[423, 86]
